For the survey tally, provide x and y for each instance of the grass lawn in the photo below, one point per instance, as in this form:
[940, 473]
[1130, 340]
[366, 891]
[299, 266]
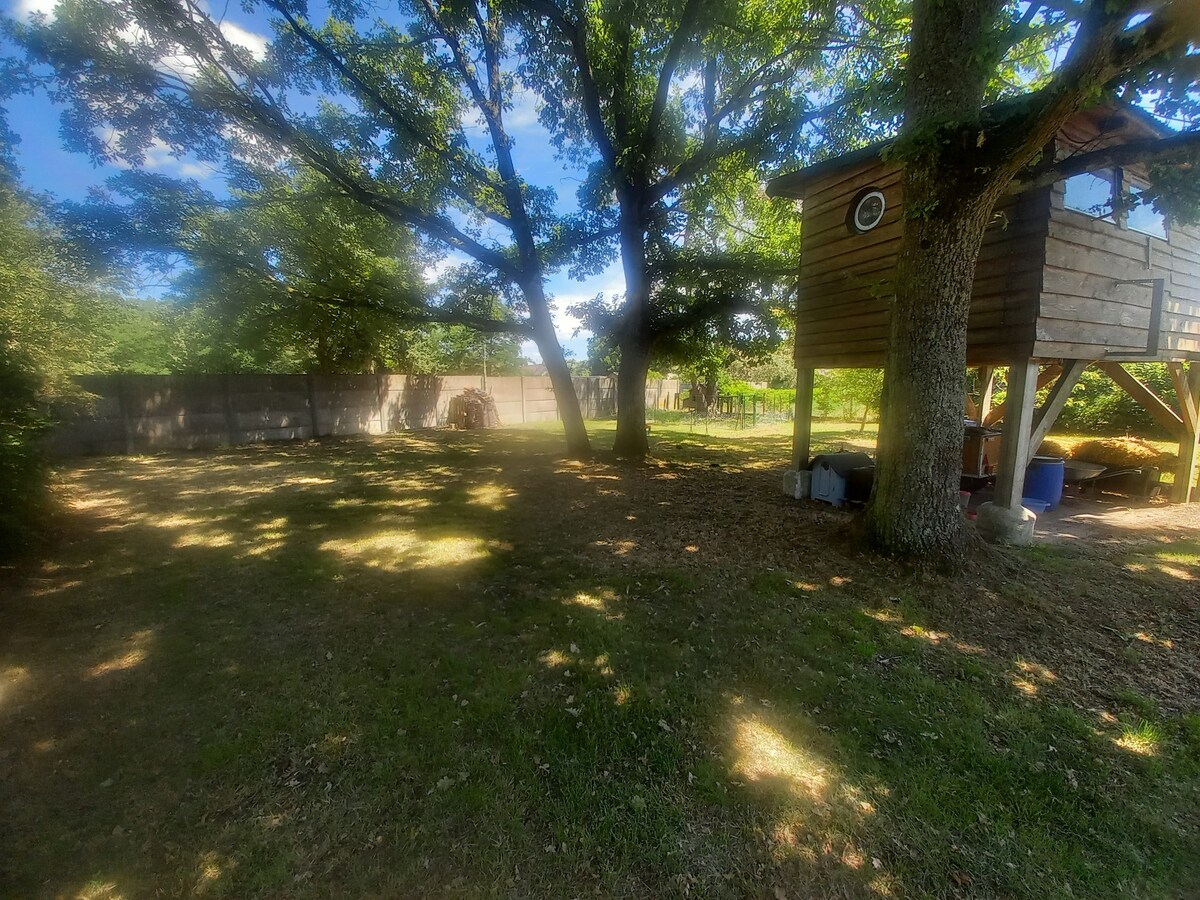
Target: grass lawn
[444, 664]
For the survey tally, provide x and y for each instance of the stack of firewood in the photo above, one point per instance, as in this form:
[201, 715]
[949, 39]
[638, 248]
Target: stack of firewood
[473, 408]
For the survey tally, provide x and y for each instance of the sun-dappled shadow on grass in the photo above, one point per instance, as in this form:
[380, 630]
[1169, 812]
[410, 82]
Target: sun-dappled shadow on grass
[456, 665]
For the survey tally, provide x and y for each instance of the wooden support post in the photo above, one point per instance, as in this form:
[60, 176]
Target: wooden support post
[1045, 417]
[1183, 390]
[1047, 375]
[987, 383]
[802, 423]
[1187, 389]
[969, 409]
[1153, 404]
[1018, 424]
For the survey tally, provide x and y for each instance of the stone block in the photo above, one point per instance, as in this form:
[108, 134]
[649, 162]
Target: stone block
[796, 483]
[1001, 525]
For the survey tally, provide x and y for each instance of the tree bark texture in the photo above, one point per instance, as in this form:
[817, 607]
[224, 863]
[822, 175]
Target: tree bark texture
[913, 511]
[631, 441]
[634, 336]
[569, 411]
[954, 171]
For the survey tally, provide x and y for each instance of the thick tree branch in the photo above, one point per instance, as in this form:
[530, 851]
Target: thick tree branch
[1184, 146]
[429, 315]
[459, 159]
[461, 62]
[574, 35]
[1104, 48]
[726, 263]
[715, 306]
[258, 108]
[491, 105]
[679, 40]
[375, 96]
[714, 151]
[418, 313]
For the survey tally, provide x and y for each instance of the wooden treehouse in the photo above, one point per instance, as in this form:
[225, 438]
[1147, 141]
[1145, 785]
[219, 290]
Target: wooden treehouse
[1065, 280]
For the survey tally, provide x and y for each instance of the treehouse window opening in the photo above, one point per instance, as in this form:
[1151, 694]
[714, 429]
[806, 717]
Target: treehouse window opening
[1091, 193]
[867, 210]
[1143, 217]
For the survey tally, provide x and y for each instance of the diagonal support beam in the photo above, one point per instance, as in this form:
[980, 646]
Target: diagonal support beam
[987, 382]
[1046, 376]
[1045, 417]
[1150, 401]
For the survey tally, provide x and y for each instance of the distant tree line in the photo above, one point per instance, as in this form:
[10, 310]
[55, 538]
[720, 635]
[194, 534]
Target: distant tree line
[61, 316]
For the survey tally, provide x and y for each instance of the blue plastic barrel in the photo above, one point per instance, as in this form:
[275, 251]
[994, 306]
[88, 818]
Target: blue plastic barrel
[1044, 479]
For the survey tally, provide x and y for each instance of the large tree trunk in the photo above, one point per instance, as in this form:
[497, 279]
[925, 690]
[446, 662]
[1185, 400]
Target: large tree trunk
[565, 398]
[532, 275]
[631, 442]
[913, 510]
[947, 198]
[634, 337]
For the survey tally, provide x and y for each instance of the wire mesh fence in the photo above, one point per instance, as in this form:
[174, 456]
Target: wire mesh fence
[730, 410]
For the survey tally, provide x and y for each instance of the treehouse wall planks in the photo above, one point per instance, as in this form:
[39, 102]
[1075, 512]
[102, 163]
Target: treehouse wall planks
[1082, 309]
[845, 289]
[1046, 279]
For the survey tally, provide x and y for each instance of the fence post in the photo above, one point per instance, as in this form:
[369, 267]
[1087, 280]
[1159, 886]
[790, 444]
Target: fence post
[312, 405]
[381, 392]
[126, 419]
[229, 417]
[522, 377]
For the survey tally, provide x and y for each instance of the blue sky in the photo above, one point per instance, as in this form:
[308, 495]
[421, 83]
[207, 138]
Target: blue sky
[47, 167]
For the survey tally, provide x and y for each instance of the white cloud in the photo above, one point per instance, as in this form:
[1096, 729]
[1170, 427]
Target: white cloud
[158, 157]
[251, 40]
[187, 66]
[521, 118]
[435, 270]
[524, 112]
[252, 149]
[566, 324]
[569, 330]
[689, 81]
[161, 158]
[27, 8]
[181, 64]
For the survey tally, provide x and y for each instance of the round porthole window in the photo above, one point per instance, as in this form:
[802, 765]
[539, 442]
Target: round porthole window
[867, 210]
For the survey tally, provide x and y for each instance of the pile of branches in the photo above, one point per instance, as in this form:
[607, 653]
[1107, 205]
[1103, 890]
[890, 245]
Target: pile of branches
[473, 408]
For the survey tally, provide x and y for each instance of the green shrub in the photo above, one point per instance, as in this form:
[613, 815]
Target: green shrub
[1098, 406]
[22, 467]
[51, 322]
[847, 393]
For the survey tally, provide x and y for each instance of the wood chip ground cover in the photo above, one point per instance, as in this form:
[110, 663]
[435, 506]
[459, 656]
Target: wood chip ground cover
[440, 664]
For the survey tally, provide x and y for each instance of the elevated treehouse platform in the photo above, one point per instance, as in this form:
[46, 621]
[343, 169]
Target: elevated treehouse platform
[1067, 276]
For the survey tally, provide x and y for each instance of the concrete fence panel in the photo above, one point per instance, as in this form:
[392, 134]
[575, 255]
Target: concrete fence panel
[146, 413]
